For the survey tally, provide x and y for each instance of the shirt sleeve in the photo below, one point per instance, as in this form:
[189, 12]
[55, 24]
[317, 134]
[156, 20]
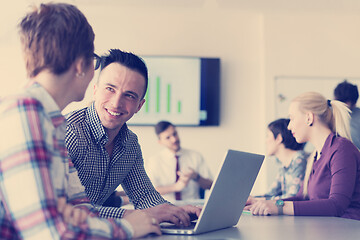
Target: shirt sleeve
[110, 212]
[203, 168]
[26, 185]
[71, 144]
[275, 189]
[298, 197]
[343, 167]
[139, 188]
[294, 177]
[75, 190]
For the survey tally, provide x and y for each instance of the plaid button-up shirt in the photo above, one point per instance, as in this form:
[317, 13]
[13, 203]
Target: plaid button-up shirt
[34, 172]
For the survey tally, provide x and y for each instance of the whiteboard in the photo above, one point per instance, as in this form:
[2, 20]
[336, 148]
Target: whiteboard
[287, 88]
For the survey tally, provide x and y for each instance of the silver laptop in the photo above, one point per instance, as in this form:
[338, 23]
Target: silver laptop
[227, 197]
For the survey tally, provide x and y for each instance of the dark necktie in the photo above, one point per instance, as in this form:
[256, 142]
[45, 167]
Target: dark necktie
[177, 194]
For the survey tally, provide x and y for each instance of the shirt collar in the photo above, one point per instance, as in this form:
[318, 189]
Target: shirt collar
[171, 153]
[98, 129]
[328, 142]
[330, 139]
[51, 108]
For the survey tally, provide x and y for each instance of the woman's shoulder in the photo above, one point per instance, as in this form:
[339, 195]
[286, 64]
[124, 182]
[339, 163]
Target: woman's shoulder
[301, 156]
[344, 146]
[299, 159]
[343, 142]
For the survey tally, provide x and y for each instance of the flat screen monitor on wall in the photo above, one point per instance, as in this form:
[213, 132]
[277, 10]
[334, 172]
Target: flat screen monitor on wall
[182, 90]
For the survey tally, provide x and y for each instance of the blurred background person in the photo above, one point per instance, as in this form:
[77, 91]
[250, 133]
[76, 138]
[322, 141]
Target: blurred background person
[348, 93]
[177, 173]
[281, 144]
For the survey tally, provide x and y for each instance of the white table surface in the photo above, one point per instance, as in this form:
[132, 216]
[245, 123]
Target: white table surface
[281, 228]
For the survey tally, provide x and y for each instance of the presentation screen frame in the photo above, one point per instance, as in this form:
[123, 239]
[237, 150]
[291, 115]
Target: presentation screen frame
[182, 90]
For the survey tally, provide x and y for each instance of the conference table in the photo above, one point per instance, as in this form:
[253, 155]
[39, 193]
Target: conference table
[252, 227]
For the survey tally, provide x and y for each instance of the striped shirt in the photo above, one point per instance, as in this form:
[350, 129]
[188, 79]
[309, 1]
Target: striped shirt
[100, 173]
[34, 173]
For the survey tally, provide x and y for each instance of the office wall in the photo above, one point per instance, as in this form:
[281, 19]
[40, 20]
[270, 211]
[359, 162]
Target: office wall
[317, 44]
[197, 29]
[314, 44]
[255, 45]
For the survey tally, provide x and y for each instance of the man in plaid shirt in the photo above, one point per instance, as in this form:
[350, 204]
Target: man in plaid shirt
[58, 48]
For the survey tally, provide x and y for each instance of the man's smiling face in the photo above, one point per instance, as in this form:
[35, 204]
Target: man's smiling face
[118, 95]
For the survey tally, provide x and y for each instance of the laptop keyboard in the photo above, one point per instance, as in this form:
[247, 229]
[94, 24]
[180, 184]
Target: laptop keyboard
[173, 226]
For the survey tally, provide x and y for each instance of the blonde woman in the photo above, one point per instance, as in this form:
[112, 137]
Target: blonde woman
[332, 180]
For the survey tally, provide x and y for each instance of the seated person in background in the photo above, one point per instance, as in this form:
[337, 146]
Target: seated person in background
[281, 144]
[332, 178]
[177, 173]
[58, 47]
[106, 153]
[348, 93]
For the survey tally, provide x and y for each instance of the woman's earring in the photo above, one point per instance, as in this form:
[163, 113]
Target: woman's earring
[80, 74]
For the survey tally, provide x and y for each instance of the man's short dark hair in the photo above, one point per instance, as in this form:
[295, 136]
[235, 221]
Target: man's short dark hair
[346, 92]
[162, 126]
[127, 59]
[280, 126]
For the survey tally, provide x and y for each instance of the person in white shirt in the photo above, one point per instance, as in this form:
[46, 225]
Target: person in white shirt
[177, 173]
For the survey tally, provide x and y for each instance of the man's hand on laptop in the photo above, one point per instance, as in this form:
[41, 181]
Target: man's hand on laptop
[178, 215]
[142, 223]
[193, 211]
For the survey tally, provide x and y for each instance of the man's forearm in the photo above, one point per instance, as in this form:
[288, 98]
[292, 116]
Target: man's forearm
[204, 183]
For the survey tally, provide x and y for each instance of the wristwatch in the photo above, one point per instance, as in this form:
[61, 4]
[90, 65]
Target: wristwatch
[280, 204]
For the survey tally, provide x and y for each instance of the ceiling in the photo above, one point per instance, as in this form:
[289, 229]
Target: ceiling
[251, 5]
